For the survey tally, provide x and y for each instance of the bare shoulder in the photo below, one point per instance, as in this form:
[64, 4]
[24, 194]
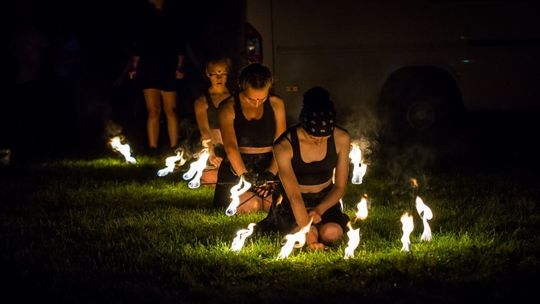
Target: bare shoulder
[283, 144]
[342, 137]
[276, 101]
[201, 103]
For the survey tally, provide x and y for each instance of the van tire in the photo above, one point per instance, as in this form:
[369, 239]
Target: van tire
[419, 105]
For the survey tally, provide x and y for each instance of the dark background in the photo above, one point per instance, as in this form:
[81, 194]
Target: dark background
[77, 52]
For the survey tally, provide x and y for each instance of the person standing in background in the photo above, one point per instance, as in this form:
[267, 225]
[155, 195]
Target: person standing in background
[157, 65]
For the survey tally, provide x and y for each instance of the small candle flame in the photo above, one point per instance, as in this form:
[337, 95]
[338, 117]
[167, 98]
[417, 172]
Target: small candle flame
[425, 212]
[359, 168]
[241, 236]
[294, 240]
[354, 240]
[236, 191]
[196, 169]
[124, 149]
[362, 210]
[407, 227]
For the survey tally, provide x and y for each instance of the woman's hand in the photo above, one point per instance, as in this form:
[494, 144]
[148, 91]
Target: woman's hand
[132, 74]
[179, 74]
[315, 216]
[215, 160]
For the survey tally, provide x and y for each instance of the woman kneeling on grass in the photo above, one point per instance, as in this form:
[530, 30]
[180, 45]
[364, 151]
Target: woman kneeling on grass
[306, 155]
[249, 121]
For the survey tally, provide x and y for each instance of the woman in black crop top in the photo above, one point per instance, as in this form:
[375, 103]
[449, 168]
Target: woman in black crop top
[306, 155]
[249, 123]
[206, 114]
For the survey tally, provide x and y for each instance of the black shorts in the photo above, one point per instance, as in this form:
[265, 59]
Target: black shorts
[154, 75]
[255, 163]
[281, 219]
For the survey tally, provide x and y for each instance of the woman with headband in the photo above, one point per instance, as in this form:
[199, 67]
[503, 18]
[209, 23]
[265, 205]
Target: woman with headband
[206, 114]
[306, 156]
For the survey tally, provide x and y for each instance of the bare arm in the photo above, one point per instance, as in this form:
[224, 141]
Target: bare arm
[201, 116]
[279, 114]
[343, 141]
[226, 125]
[283, 154]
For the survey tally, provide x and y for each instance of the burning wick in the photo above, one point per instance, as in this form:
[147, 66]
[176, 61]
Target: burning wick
[362, 211]
[294, 240]
[425, 212]
[236, 191]
[241, 236]
[354, 240]
[196, 169]
[170, 163]
[359, 168]
[414, 182]
[124, 149]
[407, 227]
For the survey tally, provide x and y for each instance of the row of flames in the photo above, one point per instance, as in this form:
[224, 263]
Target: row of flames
[298, 239]
[197, 167]
[295, 240]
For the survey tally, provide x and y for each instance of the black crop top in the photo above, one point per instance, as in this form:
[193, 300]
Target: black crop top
[316, 172]
[212, 111]
[254, 133]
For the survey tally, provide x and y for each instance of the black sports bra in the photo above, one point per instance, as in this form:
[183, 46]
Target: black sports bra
[316, 172]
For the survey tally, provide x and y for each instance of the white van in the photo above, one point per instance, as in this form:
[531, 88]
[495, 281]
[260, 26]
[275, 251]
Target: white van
[408, 67]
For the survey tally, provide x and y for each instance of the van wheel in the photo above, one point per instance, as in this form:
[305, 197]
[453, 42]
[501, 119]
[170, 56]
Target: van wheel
[419, 105]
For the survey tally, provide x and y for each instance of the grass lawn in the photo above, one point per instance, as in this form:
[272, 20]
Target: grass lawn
[103, 231]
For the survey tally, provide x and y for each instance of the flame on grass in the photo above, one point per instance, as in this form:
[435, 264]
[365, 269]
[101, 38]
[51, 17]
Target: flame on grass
[359, 168]
[170, 163]
[241, 236]
[425, 212]
[407, 226]
[124, 149]
[236, 191]
[294, 240]
[362, 209]
[196, 168]
[354, 240]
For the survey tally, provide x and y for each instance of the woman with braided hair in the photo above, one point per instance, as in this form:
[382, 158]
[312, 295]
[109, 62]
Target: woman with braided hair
[306, 156]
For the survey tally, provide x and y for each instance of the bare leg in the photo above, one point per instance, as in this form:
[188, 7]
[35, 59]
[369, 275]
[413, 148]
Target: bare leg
[312, 239]
[153, 107]
[249, 203]
[169, 105]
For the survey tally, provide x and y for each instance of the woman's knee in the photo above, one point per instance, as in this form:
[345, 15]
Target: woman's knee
[252, 204]
[170, 112]
[153, 111]
[330, 232]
